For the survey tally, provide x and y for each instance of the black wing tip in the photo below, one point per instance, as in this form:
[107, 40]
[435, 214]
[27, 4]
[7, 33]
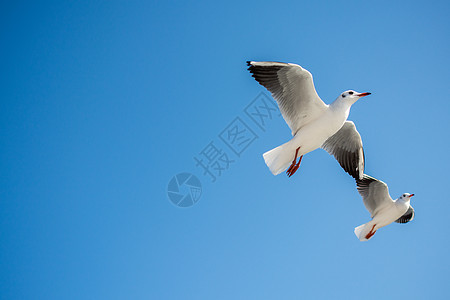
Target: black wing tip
[404, 219]
[354, 174]
[251, 67]
[262, 74]
[348, 165]
[366, 178]
[273, 67]
[364, 181]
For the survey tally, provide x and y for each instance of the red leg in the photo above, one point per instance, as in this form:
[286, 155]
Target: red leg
[371, 233]
[294, 166]
[293, 162]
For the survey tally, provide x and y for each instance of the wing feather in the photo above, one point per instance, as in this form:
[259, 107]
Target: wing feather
[293, 89]
[407, 216]
[375, 193]
[346, 146]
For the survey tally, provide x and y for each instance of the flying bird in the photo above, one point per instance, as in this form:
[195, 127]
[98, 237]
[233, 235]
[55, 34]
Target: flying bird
[313, 123]
[383, 209]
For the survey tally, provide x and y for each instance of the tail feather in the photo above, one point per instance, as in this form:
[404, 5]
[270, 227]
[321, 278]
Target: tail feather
[363, 230]
[278, 159]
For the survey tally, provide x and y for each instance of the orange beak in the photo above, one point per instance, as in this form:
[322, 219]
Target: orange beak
[411, 195]
[364, 94]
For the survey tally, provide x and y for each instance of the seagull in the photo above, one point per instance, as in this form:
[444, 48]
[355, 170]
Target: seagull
[383, 209]
[313, 123]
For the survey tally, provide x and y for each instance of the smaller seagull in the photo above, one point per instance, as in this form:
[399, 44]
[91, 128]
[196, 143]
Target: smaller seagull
[383, 209]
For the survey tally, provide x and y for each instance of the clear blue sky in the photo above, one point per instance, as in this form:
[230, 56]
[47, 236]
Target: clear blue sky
[102, 103]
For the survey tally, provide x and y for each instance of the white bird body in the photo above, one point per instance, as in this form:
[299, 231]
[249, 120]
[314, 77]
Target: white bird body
[309, 137]
[387, 215]
[383, 209]
[313, 123]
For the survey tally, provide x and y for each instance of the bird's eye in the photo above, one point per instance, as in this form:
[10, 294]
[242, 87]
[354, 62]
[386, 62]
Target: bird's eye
[351, 93]
[343, 95]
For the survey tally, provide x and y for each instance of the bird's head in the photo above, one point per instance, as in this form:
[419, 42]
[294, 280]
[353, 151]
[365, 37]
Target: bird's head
[406, 197]
[352, 96]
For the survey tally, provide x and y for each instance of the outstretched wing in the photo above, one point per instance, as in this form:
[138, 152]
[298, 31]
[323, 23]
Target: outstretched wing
[346, 146]
[375, 193]
[293, 89]
[408, 216]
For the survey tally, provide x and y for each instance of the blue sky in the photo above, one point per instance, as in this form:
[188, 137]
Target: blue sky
[104, 102]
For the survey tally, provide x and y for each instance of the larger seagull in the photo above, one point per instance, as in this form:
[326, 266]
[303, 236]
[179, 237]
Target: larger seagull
[313, 123]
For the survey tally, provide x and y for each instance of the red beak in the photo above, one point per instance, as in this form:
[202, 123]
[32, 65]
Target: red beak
[364, 94]
[411, 195]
